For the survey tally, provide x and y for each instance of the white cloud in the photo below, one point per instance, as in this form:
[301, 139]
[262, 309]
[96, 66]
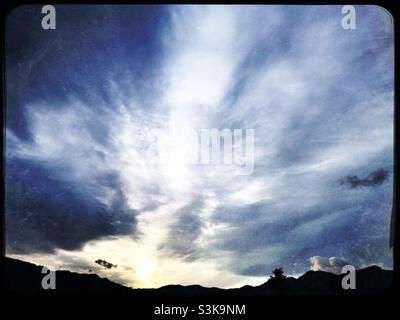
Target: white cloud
[332, 264]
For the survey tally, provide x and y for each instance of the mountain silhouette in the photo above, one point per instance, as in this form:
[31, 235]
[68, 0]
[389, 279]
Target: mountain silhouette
[25, 278]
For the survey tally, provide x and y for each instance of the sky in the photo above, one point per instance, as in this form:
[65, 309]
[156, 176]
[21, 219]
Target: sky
[88, 103]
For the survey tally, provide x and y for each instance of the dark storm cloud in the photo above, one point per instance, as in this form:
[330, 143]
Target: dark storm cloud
[183, 234]
[256, 270]
[334, 221]
[47, 207]
[80, 57]
[332, 227]
[373, 179]
[255, 229]
[105, 264]
[44, 213]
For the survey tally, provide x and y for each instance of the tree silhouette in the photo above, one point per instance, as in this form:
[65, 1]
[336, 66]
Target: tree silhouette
[278, 273]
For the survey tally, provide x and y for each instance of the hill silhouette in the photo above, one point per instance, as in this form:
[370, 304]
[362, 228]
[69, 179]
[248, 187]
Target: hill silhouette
[25, 278]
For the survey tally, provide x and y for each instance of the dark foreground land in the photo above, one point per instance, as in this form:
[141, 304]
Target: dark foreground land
[25, 278]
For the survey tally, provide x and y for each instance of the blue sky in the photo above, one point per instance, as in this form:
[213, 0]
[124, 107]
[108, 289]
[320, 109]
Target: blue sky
[84, 99]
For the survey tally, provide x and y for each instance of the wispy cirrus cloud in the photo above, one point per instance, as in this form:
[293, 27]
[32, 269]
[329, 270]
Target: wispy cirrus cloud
[373, 179]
